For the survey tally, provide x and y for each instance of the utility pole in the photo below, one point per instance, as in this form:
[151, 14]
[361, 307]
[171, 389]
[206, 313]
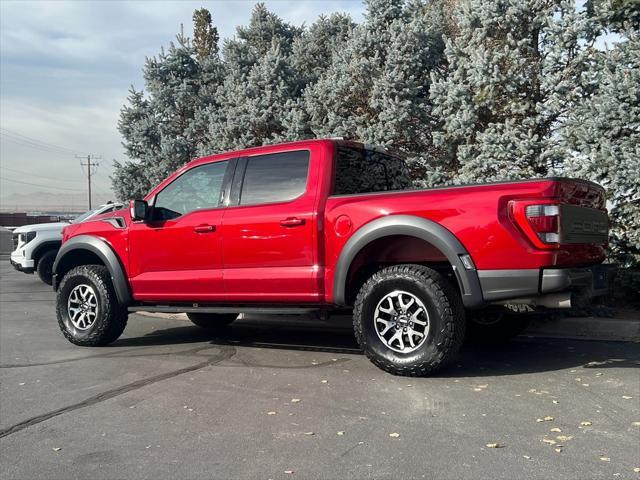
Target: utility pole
[90, 173]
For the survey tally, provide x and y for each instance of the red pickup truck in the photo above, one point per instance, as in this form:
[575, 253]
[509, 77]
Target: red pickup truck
[325, 225]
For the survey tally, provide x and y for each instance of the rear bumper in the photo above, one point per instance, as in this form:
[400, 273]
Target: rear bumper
[593, 281]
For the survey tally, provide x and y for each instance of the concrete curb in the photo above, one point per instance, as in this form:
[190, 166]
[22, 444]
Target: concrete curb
[578, 328]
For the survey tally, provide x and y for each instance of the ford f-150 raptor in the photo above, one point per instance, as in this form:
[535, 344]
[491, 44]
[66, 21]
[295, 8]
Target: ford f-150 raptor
[324, 225]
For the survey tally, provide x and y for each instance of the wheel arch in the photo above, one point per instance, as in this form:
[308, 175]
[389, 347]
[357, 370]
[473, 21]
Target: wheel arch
[85, 250]
[40, 250]
[411, 226]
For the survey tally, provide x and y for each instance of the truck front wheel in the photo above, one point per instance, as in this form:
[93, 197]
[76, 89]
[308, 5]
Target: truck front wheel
[409, 320]
[87, 307]
[211, 320]
[45, 265]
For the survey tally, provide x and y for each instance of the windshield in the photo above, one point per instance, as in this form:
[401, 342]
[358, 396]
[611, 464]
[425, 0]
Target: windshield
[85, 215]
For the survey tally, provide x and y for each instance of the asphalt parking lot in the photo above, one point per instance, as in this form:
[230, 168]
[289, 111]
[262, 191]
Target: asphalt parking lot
[294, 398]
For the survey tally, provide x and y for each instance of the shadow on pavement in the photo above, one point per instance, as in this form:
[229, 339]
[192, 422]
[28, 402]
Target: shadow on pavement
[521, 355]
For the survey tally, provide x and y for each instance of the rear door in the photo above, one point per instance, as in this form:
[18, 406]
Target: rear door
[269, 228]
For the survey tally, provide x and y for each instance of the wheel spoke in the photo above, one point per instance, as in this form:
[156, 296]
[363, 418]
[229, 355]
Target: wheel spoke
[397, 336]
[391, 310]
[405, 306]
[414, 317]
[387, 325]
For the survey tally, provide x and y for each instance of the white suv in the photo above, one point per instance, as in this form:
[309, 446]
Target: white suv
[35, 246]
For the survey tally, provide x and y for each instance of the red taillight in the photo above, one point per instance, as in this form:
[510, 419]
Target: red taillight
[539, 221]
[544, 219]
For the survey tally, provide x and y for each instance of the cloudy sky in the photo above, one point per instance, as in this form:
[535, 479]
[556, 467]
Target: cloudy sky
[65, 70]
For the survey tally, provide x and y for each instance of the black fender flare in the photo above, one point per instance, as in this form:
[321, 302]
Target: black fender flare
[104, 251]
[413, 226]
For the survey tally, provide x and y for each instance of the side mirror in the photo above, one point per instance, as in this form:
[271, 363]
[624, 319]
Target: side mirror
[139, 210]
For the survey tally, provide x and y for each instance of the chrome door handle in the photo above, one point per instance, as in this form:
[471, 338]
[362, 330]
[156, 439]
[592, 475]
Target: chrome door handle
[204, 228]
[292, 222]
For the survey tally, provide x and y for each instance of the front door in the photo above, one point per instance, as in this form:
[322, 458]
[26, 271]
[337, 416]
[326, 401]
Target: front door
[175, 256]
[268, 235]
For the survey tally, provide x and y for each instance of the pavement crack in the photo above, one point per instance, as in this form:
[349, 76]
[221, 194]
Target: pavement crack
[225, 353]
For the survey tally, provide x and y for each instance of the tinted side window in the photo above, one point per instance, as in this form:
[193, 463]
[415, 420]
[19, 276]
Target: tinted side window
[359, 170]
[277, 177]
[195, 189]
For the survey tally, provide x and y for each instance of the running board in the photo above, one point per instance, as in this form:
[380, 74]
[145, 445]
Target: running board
[232, 309]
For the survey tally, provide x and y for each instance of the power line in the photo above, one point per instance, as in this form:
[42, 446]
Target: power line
[38, 185]
[36, 142]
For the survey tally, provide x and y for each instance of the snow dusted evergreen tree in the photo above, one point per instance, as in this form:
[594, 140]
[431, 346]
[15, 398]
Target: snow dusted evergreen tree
[251, 102]
[377, 87]
[513, 73]
[604, 131]
[158, 126]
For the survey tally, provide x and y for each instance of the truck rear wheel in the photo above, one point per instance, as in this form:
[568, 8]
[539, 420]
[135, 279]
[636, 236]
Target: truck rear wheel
[212, 320]
[87, 307]
[45, 266]
[409, 320]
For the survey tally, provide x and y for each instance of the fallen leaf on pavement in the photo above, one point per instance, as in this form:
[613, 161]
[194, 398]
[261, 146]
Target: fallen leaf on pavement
[549, 441]
[559, 450]
[271, 413]
[627, 397]
[555, 429]
[495, 445]
[309, 433]
[340, 433]
[288, 472]
[555, 401]
[394, 435]
[637, 469]
[56, 449]
[605, 459]
[636, 424]
[564, 438]
[545, 419]
[586, 424]
[295, 400]
[324, 381]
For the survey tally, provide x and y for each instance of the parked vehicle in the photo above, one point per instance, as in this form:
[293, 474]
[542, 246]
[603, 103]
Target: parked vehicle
[320, 225]
[35, 246]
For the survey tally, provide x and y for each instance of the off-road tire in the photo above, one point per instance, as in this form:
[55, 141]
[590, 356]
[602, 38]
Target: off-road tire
[212, 320]
[111, 318]
[446, 319]
[496, 324]
[45, 266]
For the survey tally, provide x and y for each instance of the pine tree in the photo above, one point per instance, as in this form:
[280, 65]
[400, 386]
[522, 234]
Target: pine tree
[157, 128]
[205, 35]
[377, 88]
[604, 133]
[513, 73]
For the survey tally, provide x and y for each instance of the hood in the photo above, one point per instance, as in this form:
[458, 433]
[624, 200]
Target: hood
[41, 227]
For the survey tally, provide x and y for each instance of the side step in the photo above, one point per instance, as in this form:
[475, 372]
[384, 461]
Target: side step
[268, 310]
